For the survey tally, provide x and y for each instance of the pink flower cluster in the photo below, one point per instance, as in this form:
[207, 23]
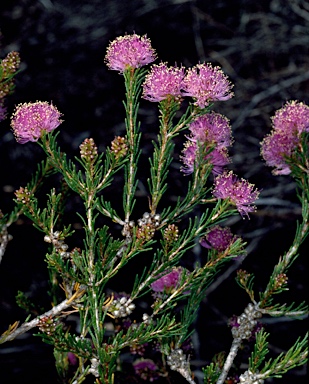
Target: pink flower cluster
[162, 82]
[146, 369]
[206, 84]
[203, 83]
[212, 128]
[218, 238]
[240, 192]
[288, 124]
[210, 131]
[169, 281]
[129, 51]
[31, 119]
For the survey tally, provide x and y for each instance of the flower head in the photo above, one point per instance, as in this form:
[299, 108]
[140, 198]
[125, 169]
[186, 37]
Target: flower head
[146, 369]
[169, 281]
[212, 128]
[129, 51]
[292, 118]
[163, 81]
[210, 131]
[288, 123]
[206, 83]
[275, 148]
[218, 238]
[31, 119]
[239, 191]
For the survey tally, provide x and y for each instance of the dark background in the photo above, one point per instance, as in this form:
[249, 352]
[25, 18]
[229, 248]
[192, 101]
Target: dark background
[261, 45]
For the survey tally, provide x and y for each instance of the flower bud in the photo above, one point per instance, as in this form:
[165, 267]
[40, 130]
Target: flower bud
[23, 195]
[88, 150]
[171, 233]
[119, 147]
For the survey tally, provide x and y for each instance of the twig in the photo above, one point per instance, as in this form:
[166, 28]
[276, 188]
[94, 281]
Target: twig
[229, 360]
[33, 323]
[4, 239]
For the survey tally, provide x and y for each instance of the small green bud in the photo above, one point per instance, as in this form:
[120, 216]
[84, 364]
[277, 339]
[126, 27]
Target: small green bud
[145, 232]
[280, 280]
[88, 150]
[243, 276]
[119, 147]
[171, 233]
[8, 67]
[10, 64]
[47, 324]
[23, 195]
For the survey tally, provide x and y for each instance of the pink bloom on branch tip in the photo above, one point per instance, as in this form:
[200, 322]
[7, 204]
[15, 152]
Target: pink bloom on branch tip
[206, 83]
[275, 148]
[218, 238]
[240, 192]
[30, 120]
[129, 51]
[212, 128]
[168, 281]
[163, 82]
[292, 118]
[289, 122]
[208, 131]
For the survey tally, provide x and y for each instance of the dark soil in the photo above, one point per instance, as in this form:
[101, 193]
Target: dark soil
[261, 45]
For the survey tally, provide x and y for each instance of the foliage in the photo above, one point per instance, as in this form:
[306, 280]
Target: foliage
[111, 323]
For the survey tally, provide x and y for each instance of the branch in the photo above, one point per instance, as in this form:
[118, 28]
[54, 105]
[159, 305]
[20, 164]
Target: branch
[229, 360]
[4, 239]
[55, 311]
